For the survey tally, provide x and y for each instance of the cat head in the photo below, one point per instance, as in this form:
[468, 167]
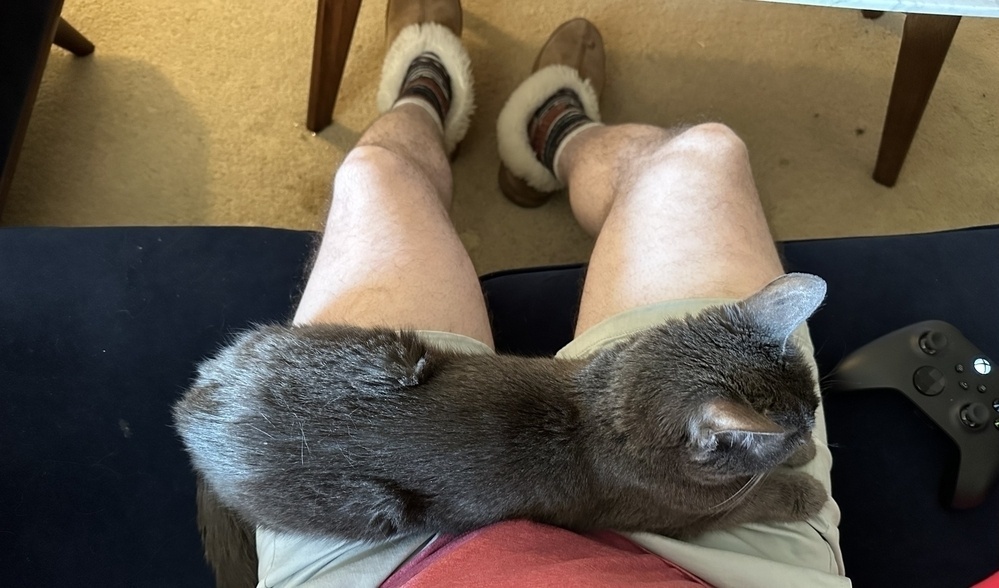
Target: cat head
[729, 384]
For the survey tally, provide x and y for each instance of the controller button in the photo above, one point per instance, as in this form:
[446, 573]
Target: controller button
[982, 365]
[982, 388]
[995, 404]
[974, 415]
[995, 423]
[959, 368]
[932, 341]
[963, 385]
[929, 380]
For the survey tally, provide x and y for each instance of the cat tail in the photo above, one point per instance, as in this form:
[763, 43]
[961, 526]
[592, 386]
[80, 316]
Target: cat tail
[229, 542]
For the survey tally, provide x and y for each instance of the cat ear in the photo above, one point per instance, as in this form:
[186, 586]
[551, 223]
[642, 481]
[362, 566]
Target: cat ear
[721, 417]
[785, 303]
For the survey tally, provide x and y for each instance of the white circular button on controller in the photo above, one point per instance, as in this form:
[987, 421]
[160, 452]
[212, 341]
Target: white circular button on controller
[982, 365]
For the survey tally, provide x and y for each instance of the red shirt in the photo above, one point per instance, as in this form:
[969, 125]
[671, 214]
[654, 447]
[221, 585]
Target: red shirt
[521, 553]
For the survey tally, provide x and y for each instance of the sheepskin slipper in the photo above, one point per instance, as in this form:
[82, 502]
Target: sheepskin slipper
[442, 42]
[511, 127]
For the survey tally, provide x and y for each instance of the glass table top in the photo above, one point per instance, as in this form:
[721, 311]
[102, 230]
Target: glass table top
[950, 7]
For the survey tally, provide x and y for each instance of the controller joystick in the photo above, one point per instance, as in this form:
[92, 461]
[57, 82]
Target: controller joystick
[975, 415]
[950, 380]
[932, 341]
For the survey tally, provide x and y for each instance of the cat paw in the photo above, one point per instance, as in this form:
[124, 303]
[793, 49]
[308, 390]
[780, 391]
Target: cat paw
[810, 496]
[803, 455]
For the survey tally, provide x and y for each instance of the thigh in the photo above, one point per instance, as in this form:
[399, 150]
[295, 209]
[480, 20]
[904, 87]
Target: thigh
[685, 222]
[684, 229]
[390, 255]
[297, 561]
[291, 560]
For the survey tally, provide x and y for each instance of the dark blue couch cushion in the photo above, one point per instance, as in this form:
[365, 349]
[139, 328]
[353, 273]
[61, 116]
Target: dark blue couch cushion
[100, 330]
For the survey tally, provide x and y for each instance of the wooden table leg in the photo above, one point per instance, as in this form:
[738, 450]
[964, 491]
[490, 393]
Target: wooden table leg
[71, 40]
[24, 49]
[335, 22]
[925, 41]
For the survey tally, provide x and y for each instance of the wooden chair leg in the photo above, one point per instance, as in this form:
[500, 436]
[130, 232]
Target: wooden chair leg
[335, 22]
[71, 40]
[925, 41]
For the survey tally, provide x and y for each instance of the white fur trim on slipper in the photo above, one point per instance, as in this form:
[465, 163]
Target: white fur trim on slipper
[511, 127]
[442, 42]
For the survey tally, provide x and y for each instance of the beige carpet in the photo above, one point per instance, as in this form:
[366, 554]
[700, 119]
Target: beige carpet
[191, 112]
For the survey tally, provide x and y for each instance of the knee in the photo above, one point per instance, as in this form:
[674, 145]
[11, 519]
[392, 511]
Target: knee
[379, 165]
[375, 159]
[715, 140]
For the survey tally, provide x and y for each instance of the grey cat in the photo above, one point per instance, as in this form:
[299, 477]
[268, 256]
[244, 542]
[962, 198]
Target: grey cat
[369, 434]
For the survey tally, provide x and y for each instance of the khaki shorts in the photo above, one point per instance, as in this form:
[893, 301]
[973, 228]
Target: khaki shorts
[786, 554]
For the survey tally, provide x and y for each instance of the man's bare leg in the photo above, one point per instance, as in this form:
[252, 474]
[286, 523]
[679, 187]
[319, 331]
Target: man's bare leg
[389, 254]
[389, 257]
[676, 216]
[675, 213]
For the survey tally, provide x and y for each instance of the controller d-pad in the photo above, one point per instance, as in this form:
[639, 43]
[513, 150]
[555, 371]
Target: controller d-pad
[929, 380]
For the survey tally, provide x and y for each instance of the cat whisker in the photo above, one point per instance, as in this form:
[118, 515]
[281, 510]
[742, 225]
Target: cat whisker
[827, 379]
[732, 501]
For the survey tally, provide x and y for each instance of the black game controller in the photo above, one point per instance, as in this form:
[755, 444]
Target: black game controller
[950, 380]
